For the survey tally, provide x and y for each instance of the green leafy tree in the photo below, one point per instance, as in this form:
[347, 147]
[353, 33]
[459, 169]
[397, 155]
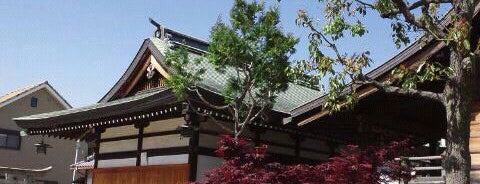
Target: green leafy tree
[252, 51]
[345, 70]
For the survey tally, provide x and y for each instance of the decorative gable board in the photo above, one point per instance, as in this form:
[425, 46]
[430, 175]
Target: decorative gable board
[148, 74]
[147, 55]
[149, 79]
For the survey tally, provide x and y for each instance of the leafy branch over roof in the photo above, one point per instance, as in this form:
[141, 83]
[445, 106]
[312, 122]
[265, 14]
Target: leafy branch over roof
[252, 53]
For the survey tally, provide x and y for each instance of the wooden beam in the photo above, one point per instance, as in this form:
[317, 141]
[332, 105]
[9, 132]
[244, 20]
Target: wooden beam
[136, 77]
[139, 146]
[362, 94]
[159, 67]
[98, 133]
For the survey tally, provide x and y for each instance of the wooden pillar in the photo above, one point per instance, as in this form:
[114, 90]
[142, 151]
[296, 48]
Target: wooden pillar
[433, 147]
[192, 120]
[140, 127]
[298, 144]
[96, 150]
[332, 146]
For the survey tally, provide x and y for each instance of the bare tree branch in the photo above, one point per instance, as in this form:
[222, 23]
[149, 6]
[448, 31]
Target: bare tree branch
[217, 107]
[410, 17]
[365, 4]
[325, 39]
[413, 6]
[243, 125]
[401, 91]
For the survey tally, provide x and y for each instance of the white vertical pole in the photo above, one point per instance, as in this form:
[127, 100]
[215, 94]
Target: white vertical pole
[77, 149]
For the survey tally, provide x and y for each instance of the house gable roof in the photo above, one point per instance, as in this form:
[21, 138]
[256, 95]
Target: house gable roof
[27, 90]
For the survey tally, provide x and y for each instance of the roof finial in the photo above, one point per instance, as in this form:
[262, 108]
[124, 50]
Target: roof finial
[160, 31]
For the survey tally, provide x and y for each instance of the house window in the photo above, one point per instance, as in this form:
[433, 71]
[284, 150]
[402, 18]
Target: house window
[33, 102]
[10, 139]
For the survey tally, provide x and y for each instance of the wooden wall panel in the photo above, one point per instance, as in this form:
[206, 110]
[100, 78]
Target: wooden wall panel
[160, 174]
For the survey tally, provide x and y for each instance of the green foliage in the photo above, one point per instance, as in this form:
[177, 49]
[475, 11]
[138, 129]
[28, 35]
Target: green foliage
[296, 75]
[344, 71]
[184, 77]
[428, 71]
[255, 47]
[252, 51]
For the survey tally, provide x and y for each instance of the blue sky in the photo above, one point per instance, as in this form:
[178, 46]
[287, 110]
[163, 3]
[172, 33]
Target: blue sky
[83, 47]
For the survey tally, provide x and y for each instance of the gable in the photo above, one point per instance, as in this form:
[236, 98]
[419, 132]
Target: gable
[135, 78]
[21, 93]
[146, 79]
[149, 75]
[22, 107]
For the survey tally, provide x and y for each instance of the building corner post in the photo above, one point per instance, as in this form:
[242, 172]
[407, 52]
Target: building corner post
[193, 120]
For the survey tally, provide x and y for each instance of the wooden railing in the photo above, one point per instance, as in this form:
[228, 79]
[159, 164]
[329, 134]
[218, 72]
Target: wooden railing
[426, 169]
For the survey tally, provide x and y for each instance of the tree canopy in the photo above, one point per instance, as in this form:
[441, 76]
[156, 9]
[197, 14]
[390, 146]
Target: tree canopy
[255, 48]
[345, 71]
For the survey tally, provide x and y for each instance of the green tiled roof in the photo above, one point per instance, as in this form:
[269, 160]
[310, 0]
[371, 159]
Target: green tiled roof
[116, 107]
[214, 81]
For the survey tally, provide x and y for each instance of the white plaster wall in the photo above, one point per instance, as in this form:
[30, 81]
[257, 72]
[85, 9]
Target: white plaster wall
[278, 137]
[210, 125]
[118, 146]
[164, 125]
[117, 162]
[164, 142]
[208, 141]
[206, 163]
[169, 159]
[119, 131]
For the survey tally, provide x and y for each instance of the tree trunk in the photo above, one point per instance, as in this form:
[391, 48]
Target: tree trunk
[458, 93]
[457, 104]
